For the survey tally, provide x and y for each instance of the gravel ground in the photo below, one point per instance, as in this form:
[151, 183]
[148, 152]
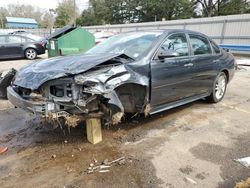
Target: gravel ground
[189, 146]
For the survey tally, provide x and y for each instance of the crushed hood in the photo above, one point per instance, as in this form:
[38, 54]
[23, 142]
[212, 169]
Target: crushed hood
[32, 76]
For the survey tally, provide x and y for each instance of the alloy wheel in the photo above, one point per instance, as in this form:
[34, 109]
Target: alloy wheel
[31, 54]
[220, 87]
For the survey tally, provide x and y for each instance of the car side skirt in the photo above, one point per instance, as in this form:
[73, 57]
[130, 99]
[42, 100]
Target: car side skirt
[181, 102]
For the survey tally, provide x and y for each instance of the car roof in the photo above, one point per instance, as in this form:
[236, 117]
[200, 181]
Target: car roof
[18, 35]
[166, 31]
[13, 35]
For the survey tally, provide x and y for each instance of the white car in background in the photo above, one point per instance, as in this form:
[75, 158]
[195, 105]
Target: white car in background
[100, 36]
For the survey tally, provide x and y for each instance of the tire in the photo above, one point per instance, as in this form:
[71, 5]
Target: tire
[219, 88]
[30, 53]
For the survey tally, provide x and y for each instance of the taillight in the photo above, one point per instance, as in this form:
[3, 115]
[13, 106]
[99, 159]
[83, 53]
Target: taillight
[40, 43]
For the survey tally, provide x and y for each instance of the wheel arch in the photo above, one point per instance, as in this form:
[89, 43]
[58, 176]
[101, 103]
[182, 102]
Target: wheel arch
[133, 96]
[226, 73]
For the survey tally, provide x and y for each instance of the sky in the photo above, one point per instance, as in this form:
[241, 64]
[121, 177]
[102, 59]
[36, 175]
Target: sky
[44, 4]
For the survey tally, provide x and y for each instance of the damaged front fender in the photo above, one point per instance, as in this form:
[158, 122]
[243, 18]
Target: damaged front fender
[114, 84]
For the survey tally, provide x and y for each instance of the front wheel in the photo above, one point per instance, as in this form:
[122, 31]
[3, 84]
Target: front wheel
[219, 88]
[30, 53]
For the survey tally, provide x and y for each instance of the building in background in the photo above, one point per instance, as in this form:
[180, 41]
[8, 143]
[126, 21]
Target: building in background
[20, 23]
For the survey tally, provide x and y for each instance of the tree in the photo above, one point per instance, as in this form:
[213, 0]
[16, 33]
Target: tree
[66, 13]
[223, 7]
[167, 9]
[48, 20]
[3, 13]
[133, 11]
[233, 7]
[88, 18]
[23, 11]
[208, 7]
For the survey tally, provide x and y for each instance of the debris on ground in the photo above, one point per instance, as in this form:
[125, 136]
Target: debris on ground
[53, 156]
[105, 165]
[243, 184]
[103, 171]
[3, 149]
[189, 180]
[244, 161]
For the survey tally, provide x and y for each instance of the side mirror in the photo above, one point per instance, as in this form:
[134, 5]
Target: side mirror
[167, 54]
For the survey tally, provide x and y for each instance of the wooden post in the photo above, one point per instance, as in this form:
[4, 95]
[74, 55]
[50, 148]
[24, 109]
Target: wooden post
[94, 130]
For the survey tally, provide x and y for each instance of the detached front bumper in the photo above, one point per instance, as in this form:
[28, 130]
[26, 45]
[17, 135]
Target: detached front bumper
[30, 106]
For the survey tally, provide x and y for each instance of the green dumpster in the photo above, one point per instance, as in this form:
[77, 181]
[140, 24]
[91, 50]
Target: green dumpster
[70, 40]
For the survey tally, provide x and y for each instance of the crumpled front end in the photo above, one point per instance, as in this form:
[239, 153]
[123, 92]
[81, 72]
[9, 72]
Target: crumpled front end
[105, 93]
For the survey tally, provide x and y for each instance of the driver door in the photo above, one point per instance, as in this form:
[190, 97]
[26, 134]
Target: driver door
[172, 76]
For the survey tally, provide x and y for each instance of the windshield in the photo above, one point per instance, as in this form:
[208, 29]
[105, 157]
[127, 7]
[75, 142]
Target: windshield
[131, 44]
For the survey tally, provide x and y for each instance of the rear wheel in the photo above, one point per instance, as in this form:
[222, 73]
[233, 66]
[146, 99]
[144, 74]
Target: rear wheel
[30, 53]
[219, 88]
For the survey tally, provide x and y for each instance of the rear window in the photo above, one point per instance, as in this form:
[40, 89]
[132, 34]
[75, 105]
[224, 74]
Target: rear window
[200, 45]
[28, 39]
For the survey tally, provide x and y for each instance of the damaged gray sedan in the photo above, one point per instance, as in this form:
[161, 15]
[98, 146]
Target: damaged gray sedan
[136, 72]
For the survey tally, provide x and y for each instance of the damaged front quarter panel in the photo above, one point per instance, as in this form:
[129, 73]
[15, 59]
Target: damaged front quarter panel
[118, 85]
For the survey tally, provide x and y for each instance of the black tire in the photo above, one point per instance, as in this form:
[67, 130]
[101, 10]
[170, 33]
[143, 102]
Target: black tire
[30, 53]
[219, 88]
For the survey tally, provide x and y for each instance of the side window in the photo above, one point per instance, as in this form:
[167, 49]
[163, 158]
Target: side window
[2, 40]
[177, 43]
[29, 40]
[216, 48]
[14, 39]
[200, 45]
[25, 39]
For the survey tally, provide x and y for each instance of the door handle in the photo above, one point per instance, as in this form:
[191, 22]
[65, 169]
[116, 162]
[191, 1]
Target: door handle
[189, 65]
[216, 61]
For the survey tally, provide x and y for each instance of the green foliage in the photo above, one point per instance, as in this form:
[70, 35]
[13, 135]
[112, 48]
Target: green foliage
[65, 13]
[223, 7]
[125, 11]
[168, 9]
[233, 7]
[88, 18]
[133, 11]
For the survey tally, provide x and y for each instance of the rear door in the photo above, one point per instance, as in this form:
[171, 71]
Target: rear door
[205, 61]
[171, 78]
[14, 46]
